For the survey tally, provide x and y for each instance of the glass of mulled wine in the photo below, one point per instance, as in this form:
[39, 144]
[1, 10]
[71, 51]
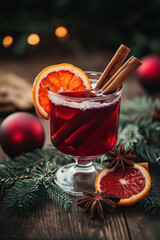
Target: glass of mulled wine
[83, 125]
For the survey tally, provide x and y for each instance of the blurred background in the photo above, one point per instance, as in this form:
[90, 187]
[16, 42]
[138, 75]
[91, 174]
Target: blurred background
[89, 25]
[38, 33]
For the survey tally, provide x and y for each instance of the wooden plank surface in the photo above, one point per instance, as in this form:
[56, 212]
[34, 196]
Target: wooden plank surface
[50, 222]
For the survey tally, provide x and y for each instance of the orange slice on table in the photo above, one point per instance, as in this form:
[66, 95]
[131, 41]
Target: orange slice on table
[61, 77]
[130, 187]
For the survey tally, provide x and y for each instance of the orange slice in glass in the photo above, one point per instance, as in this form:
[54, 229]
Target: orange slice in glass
[130, 187]
[61, 77]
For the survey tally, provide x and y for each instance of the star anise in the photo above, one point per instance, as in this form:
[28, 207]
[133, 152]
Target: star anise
[94, 203]
[156, 115]
[120, 158]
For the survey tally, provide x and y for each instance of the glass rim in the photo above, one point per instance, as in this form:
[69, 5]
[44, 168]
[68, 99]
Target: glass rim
[116, 93]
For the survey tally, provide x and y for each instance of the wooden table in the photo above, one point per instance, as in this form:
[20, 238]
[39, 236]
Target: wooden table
[51, 222]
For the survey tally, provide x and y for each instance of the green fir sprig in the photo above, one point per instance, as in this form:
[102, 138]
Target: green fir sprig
[58, 196]
[151, 203]
[23, 194]
[28, 179]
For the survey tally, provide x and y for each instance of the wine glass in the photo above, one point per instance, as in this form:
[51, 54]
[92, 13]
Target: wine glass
[84, 128]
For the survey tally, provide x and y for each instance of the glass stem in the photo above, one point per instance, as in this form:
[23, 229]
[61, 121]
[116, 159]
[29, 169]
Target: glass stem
[84, 175]
[84, 167]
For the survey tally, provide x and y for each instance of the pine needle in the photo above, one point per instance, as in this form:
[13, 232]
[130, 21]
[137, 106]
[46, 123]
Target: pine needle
[23, 195]
[130, 136]
[149, 153]
[59, 196]
[151, 203]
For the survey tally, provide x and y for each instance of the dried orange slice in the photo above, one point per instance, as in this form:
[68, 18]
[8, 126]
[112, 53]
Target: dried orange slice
[130, 187]
[61, 77]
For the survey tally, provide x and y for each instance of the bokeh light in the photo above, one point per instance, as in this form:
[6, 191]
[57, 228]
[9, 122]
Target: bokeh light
[7, 41]
[61, 32]
[33, 39]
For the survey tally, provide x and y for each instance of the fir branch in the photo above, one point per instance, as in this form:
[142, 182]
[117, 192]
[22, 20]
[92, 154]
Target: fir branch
[139, 110]
[139, 106]
[4, 172]
[151, 203]
[149, 153]
[46, 176]
[4, 185]
[24, 164]
[16, 178]
[152, 131]
[22, 191]
[130, 136]
[59, 196]
[23, 195]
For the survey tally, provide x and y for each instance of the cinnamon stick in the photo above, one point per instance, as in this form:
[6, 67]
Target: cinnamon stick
[113, 65]
[116, 74]
[121, 75]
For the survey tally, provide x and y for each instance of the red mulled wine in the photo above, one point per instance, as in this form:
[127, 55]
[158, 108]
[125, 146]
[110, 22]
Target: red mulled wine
[83, 123]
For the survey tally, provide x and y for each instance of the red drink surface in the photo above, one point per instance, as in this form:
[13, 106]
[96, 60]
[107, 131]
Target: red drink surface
[86, 131]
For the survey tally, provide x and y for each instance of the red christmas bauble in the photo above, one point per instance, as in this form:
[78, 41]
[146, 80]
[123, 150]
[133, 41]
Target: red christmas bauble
[149, 72]
[21, 132]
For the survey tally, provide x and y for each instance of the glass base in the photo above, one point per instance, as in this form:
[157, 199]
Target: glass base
[74, 178]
